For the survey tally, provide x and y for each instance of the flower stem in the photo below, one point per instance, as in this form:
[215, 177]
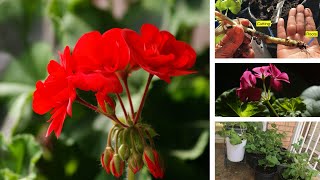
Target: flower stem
[115, 119]
[274, 111]
[95, 108]
[125, 81]
[130, 174]
[122, 106]
[85, 103]
[143, 99]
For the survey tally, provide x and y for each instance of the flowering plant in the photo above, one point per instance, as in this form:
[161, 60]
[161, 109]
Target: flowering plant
[102, 63]
[250, 99]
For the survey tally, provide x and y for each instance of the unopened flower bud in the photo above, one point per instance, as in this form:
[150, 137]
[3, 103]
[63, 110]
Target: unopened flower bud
[124, 152]
[116, 166]
[106, 158]
[135, 162]
[152, 160]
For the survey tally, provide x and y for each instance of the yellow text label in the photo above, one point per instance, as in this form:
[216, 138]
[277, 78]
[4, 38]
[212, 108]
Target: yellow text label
[311, 33]
[263, 23]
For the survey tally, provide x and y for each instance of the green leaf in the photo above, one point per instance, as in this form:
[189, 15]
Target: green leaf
[228, 104]
[311, 97]
[272, 160]
[19, 156]
[15, 113]
[235, 7]
[196, 151]
[14, 89]
[235, 139]
[293, 107]
[221, 5]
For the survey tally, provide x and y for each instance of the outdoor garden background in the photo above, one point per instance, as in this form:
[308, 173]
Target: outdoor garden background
[31, 34]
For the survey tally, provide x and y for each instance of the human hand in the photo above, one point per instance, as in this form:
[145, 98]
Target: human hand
[235, 43]
[300, 20]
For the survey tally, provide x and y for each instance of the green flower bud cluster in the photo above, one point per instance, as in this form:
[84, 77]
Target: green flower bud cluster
[132, 145]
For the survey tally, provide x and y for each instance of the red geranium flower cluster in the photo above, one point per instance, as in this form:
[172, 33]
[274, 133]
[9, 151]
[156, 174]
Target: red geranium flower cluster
[98, 63]
[248, 90]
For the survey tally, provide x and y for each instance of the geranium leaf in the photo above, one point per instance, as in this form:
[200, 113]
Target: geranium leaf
[293, 107]
[229, 105]
[311, 97]
[18, 157]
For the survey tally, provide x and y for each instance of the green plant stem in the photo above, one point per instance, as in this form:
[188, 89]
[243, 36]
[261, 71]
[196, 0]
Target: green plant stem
[125, 81]
[95, 108]
[122, 106]
[143, 99]
[130, 174]
[85, 103]
[274, 111]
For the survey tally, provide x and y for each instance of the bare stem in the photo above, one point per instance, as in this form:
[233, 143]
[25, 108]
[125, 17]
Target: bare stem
[95, 108]
[85, 103]
[122, 106]
[143, 99]
[125, 81]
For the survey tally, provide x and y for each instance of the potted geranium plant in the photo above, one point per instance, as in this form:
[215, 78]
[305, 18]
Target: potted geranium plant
[263, 150]
[235, 140]
[298, 168]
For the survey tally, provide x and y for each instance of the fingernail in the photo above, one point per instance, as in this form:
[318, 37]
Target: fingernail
[309, 11]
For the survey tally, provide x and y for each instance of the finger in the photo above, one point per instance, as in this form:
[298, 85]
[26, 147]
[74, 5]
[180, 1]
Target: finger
[247, 51]
[245, 22]
[291, 25]
[300, 20]
[310, 24]
[230, 42]
[234, 37]
[281, 32]
[246, 39]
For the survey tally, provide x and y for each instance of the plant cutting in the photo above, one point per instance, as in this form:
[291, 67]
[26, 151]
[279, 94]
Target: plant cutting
[255, 96]
[235, 139]
[102, 64]
[299, 168]
[260, 35]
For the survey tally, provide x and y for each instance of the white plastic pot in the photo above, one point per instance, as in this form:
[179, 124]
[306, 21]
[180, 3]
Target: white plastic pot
[235, 153]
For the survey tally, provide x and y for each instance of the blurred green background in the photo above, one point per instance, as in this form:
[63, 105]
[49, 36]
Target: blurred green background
[31, 34]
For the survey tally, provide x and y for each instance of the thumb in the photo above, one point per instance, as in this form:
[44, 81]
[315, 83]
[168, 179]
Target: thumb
[230, 42]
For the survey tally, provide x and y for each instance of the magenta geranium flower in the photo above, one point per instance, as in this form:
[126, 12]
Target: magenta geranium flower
[247, 90]
[263, 71]
[276, 77]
